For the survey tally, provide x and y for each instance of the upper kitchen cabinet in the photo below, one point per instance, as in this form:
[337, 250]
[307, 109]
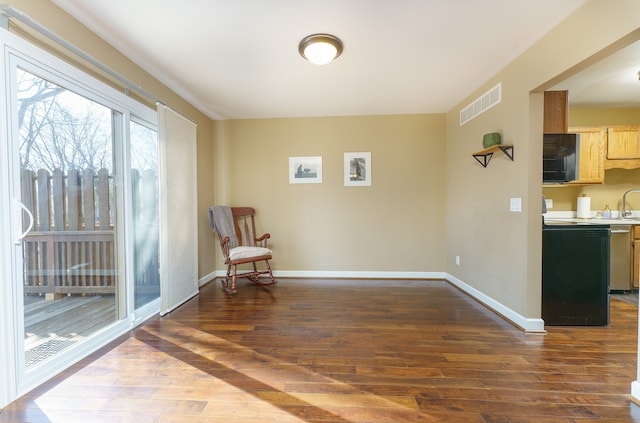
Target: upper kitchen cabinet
[623, 147]
[591, 155]
[556, 115]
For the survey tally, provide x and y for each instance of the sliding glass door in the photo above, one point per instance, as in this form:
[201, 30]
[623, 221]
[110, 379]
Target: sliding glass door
[80, 235]
[69, 261]
[145, 209]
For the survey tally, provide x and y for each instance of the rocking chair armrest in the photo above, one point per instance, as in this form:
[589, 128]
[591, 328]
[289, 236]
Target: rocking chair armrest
[263, 240]
[225, 246]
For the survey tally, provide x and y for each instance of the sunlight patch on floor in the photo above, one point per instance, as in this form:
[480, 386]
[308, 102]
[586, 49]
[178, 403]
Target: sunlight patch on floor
[277, 374]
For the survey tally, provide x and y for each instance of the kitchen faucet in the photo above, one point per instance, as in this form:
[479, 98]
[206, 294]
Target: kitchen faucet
[625, 212]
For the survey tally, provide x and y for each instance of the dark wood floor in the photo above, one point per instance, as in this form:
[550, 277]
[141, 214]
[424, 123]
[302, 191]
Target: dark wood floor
[346, 351]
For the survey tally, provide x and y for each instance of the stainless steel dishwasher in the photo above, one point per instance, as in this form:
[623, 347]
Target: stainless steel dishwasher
[620, 278]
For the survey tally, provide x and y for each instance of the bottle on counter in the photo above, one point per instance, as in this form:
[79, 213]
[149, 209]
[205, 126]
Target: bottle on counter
[606, 213]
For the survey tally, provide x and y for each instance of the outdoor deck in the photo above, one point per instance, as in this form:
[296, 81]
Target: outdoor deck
[51, 326]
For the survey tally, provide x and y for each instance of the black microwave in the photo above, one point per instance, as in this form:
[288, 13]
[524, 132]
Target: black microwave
[560, 158]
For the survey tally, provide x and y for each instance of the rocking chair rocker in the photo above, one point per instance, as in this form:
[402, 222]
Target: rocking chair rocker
[231, 223]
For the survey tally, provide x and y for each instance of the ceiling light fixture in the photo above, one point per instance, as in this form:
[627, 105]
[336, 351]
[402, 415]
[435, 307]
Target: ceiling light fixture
[320, 49]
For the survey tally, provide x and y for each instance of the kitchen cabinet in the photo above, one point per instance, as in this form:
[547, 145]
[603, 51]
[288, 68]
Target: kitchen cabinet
[623, 147]
[592, 151]
[623, 143]
[556, 115]
[635, 255]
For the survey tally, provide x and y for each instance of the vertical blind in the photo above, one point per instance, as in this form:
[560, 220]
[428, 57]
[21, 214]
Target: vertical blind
[178, 209]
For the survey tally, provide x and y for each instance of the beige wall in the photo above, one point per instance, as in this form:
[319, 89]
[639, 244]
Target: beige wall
[395, 225]
[53, 18]
[604, 117]
[617, 182]
[501, 251]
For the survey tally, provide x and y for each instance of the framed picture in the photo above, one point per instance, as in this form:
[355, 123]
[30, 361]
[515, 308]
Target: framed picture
[305, 170]
[357, 169]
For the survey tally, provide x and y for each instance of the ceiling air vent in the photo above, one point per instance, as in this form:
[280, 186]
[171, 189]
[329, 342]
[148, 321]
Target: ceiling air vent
[482, 104]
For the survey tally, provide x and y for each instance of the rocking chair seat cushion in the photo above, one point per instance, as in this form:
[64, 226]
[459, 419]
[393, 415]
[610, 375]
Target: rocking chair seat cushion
[243, 252]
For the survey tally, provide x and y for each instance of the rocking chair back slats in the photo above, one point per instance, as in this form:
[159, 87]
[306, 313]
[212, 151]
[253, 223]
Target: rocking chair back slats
[250, 249]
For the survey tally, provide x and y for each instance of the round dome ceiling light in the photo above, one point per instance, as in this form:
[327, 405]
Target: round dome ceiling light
[320, 49]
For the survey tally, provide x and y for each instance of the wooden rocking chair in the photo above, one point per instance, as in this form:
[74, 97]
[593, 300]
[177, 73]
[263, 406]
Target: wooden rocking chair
[231, 223]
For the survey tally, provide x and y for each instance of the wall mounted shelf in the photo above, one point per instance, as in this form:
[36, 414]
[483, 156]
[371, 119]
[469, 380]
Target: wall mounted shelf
[484, 156]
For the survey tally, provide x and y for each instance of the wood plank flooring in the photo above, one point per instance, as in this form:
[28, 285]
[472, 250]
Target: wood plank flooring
[338, 351]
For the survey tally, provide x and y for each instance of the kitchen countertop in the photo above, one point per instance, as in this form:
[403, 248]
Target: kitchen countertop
[570, 217]
[633, 220]
[594, 221]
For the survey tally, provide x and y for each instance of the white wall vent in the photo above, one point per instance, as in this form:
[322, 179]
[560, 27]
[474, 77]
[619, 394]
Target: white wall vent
[482, 104]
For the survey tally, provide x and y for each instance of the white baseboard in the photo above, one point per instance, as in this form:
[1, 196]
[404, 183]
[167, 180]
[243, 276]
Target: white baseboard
[335, 275]
[357, 274]
[211, 276]
[525, 323]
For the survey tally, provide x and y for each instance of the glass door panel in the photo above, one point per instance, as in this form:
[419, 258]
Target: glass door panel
[144, 181]
[67, 184]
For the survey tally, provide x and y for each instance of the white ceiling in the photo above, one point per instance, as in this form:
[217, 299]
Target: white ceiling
[612, 82]
[239, 58]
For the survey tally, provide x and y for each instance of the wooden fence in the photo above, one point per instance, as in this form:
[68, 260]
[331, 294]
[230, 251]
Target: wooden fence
[71, 249]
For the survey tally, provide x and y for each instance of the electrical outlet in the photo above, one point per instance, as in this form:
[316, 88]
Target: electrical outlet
[549, 202]
[515, 205]
[457, 260]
